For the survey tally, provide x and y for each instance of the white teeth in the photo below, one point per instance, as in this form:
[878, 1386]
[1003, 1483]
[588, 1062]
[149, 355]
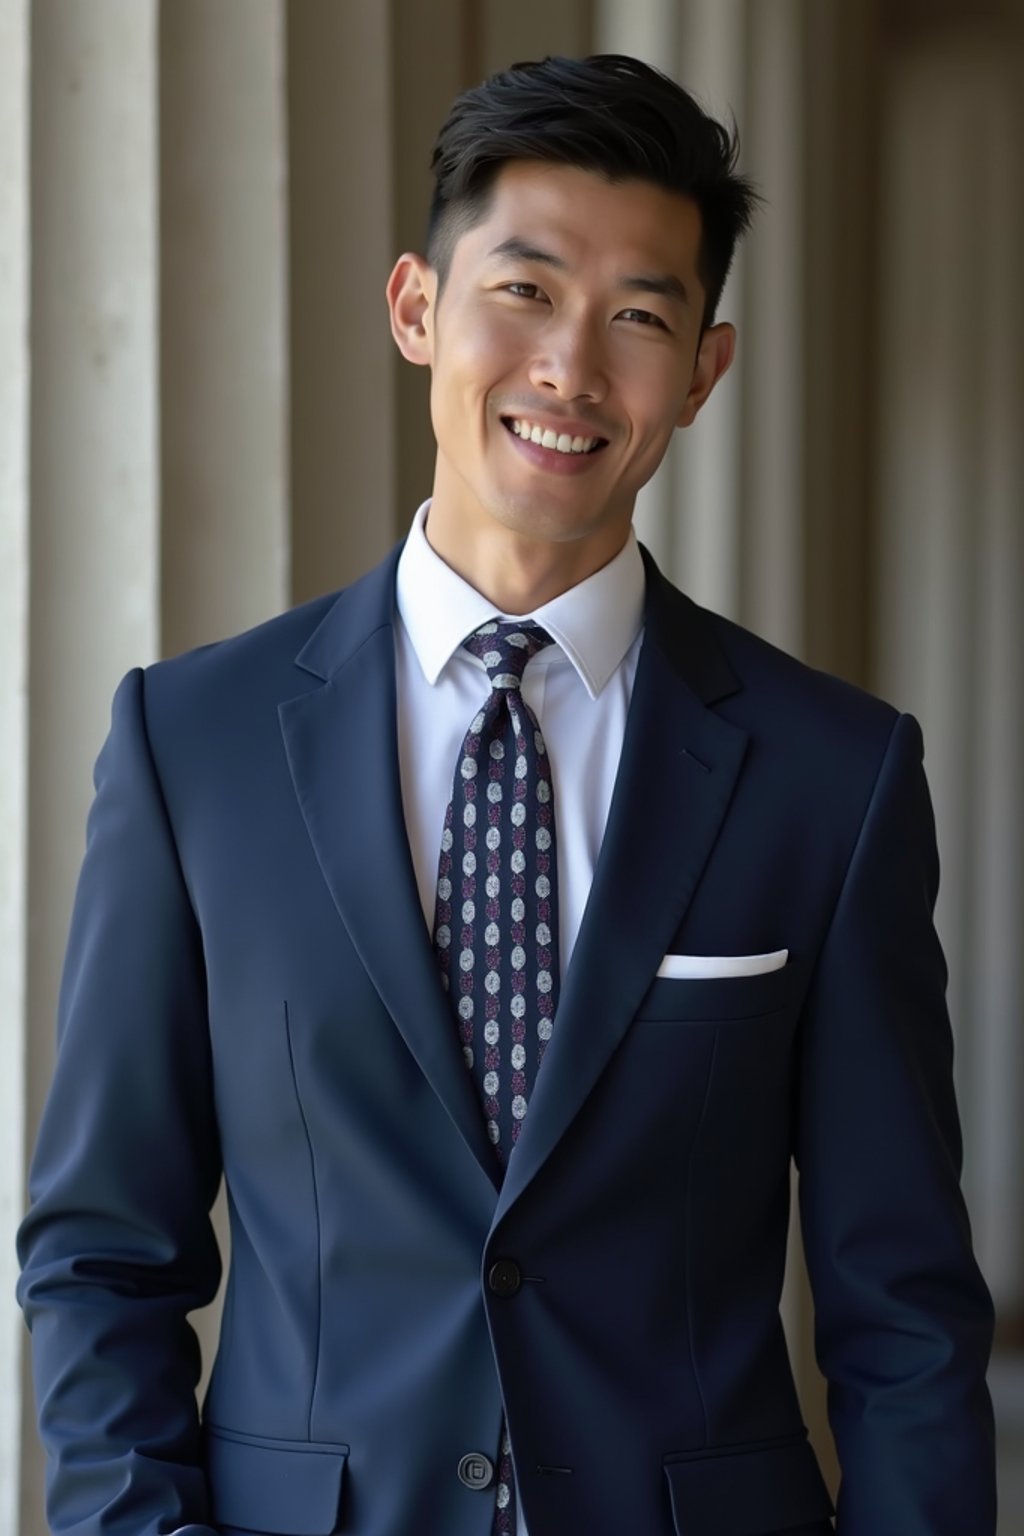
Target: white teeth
[560, 442]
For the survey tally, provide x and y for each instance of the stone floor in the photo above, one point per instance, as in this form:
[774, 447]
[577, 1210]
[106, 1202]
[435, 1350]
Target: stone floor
[1006, 1379]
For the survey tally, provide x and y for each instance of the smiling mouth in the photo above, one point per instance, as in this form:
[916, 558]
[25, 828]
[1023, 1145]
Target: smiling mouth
[545, 437]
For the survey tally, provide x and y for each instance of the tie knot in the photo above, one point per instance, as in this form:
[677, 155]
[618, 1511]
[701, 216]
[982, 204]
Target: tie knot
[505, 649]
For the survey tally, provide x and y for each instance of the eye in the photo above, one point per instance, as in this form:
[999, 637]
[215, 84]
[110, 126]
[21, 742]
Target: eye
[523, 290]
[644, 317]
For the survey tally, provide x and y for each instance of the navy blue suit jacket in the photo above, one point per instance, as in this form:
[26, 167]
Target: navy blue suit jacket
[250, 987]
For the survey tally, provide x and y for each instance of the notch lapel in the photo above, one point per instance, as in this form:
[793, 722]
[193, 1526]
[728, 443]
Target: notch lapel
[679, 766]
[341, 741]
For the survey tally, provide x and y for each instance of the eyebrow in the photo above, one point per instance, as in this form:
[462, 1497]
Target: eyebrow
[665, 286]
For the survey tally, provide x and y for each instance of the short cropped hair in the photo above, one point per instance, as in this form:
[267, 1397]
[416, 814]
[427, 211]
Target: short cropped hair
[609, 114]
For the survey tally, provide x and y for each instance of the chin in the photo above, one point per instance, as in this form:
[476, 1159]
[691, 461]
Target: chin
[536, 518]
[564, 512]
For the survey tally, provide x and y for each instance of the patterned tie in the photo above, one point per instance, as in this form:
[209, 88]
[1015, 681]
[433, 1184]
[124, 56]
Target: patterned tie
[496, 917]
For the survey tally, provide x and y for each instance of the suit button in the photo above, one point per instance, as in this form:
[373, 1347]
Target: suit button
[476, 1471]
[504, 1277]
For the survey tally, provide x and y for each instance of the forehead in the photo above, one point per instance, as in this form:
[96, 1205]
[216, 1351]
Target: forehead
[585, 219]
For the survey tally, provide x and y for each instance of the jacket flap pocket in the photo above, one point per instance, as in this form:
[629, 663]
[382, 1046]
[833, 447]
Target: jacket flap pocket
[747, 1491]
[287, 1486]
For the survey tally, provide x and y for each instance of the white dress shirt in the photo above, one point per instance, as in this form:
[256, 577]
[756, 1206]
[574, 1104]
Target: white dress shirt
[579, 689]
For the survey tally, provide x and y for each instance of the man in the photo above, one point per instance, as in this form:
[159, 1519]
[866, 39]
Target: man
[503, 927]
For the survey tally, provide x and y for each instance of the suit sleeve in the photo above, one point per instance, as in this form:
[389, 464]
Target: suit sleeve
[902, 1316]
[117, 1246]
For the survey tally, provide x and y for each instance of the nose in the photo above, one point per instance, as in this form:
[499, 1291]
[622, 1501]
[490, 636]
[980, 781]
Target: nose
[570, 362]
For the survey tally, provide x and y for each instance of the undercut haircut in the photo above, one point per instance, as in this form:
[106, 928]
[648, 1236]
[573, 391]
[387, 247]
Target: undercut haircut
[608, 114]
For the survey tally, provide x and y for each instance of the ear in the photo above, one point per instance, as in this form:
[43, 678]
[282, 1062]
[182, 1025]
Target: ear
[411, 292]
[715, 352]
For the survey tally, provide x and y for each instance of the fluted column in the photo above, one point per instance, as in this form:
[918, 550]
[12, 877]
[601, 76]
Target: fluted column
[950, 638]
[648, 30]
[225, 523]
[346, 458]
[433, 58]
[688, 514]
[94, 547]
[530, 29]
[996, 967]
[842, 65]
[645, 29]
[14, 537]
[706, 462]
[223, 193]
[772, 566]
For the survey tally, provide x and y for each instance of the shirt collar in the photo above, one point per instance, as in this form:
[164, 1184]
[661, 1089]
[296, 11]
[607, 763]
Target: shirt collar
[595, 622]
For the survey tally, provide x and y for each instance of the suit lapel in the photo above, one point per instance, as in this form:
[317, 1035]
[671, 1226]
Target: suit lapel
[342, 746]
[679, 766]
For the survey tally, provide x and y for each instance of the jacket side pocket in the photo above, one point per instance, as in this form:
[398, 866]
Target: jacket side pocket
[289, 1487]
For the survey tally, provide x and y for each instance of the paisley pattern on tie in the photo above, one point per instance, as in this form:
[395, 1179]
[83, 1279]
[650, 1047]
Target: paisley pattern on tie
[505, 1505]
[496, 914]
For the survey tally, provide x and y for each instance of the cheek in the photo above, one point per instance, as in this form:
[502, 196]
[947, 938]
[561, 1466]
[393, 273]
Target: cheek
[477, 352]
[657, 397]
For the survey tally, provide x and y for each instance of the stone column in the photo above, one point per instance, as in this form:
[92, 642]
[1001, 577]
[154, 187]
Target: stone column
[772, 518]
[224, 407]
[707, 460]
[346, 457]
[842, 66]
[225, 525]
[949, 641]
[14, 538]
[434, 57]
[648, 30]
[688, 515]
[991, 1032]
[530, 29]
[94, 548]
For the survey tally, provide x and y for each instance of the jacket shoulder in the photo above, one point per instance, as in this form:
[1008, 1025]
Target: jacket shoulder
[266, 651]
[791, 698]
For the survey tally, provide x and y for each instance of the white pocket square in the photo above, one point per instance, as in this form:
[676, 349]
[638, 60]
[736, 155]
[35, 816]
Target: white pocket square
[706, 967]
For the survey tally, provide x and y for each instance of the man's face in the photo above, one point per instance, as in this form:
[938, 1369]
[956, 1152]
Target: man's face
[571, 313]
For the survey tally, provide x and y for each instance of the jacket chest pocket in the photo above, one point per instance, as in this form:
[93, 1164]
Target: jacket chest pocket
[720, 998]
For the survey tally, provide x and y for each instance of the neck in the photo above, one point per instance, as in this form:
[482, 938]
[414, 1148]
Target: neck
[516, 573]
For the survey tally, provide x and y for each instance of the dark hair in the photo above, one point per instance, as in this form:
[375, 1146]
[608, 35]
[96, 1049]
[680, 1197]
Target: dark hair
[607, 113]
